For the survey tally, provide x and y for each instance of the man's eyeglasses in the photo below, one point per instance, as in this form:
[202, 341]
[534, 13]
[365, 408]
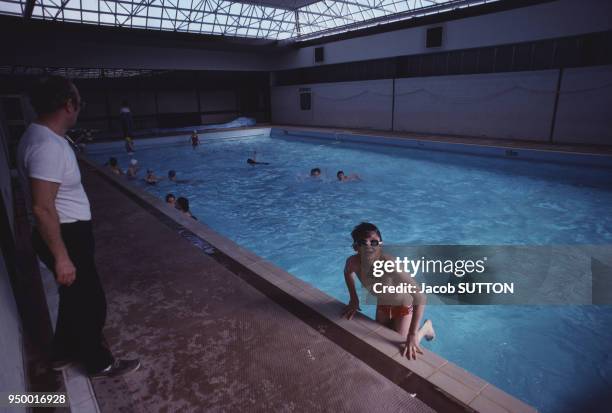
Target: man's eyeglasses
[370, 243]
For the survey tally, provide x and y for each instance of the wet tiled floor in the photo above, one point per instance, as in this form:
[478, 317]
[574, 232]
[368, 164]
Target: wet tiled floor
[208, 340]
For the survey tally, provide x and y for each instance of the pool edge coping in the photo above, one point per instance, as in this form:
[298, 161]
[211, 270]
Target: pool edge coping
[502, 149]
[456, 383]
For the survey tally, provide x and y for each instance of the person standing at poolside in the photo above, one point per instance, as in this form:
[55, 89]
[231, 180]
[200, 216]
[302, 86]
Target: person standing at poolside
[397, 314]
[62, 235]
[127, 122]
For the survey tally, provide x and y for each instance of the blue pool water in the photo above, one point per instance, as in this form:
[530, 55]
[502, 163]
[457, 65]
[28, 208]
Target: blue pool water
[552, 357]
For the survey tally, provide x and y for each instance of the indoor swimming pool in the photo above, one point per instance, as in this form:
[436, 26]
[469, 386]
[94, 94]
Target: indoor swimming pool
[547, 356]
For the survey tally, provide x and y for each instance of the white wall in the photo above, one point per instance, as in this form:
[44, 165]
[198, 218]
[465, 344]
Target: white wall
[515, 105]
[12, 376]
[177, 101]
[365, 104]
[218, 100]
[543, 21]
[584, 114]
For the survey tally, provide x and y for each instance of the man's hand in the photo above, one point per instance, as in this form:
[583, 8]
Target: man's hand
[350, 310]
[65, 271]
[412, 347]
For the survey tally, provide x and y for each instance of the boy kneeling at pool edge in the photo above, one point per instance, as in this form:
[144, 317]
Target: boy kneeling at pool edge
[401, 312]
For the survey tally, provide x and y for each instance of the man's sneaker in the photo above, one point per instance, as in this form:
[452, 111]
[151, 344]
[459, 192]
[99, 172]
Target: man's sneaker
[59, 365]
[118, 368]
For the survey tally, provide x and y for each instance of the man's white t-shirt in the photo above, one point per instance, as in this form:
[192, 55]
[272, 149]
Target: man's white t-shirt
[42, 154]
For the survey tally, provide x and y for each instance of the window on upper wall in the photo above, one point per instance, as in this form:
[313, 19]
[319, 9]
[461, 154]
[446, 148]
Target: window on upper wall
[486, 60]
[319, 54]
[469, 61]
[522, 56]
[567, 52]
[434, 37]
[305, 98]
[543, 53]
[504, 58]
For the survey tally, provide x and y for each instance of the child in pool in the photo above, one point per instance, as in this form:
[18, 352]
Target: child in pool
[195, 139]
[114, 166]
[402, 312]
[345, 178]
[129, 145]
[151, 178]
[132, 169]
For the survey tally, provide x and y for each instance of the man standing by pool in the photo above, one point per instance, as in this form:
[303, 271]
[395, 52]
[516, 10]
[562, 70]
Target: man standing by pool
[63, 236]
[392, 312]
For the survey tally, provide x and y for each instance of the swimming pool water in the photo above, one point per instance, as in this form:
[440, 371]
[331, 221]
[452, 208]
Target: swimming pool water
[551, 357]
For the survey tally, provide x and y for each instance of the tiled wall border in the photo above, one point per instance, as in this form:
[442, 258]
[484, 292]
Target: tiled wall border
[430, 376]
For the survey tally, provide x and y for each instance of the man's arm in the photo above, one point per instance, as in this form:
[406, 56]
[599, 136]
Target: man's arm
[43, 207]
[353, 305]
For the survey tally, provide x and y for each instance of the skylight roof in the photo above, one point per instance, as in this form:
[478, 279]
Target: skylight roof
[263, 19]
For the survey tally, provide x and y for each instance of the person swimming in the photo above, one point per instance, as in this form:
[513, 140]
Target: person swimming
[172, 178]
[132, 169]
[182, 204]
[171, 200]
[129, 145]
[253, 161]
[114, 166]
[195, 139]
[151, 179]
[315, 172]
[343, 178]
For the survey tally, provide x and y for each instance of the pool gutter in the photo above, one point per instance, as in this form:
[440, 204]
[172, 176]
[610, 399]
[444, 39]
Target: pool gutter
[499, 149]
[436, 381]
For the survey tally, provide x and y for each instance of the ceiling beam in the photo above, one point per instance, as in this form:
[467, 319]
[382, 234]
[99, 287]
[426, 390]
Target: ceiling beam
[28, 9]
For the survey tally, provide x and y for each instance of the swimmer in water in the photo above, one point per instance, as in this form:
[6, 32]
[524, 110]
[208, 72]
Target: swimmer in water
[129, 145]
[195, 139]
[151, 179]
[114, 166]
[315, 172]
[171, 200]
[132, 169]
[343, 178]
[253, 161]
[182, 204]
[401, 312]
[172, 178]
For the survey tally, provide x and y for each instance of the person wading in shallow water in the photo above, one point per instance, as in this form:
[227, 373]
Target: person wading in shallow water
[62, 235]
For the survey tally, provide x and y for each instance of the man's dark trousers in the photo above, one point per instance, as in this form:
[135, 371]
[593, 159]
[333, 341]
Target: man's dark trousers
[82, 305]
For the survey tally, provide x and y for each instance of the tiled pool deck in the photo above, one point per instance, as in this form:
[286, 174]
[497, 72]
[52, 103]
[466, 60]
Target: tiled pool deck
[229, 331]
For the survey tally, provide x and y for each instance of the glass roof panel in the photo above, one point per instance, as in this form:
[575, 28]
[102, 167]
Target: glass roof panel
[268, 19]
